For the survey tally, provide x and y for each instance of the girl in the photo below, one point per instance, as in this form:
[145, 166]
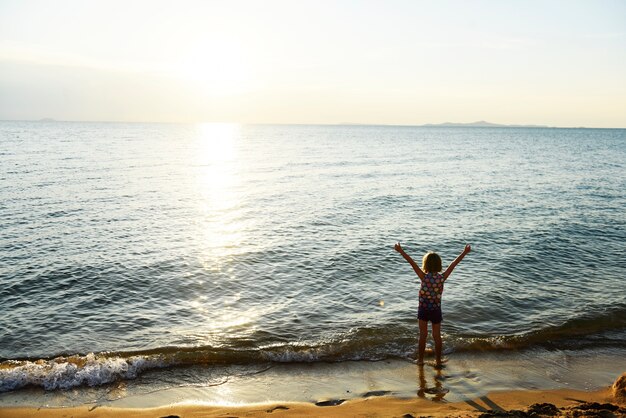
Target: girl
[430, 297]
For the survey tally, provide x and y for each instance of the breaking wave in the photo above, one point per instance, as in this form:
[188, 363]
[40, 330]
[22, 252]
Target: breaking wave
[363, 344]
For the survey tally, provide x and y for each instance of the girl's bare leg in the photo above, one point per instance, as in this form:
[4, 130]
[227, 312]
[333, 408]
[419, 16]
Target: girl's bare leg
[422, 341]
[437, 338]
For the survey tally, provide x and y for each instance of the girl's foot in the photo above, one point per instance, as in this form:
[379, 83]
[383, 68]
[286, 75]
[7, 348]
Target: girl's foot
[439, 364]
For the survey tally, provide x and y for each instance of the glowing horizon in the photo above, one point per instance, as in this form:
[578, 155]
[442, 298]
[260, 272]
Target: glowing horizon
[401, 63]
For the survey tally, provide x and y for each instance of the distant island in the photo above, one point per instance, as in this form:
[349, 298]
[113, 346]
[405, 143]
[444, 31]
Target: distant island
[47, 120]
[483, 124]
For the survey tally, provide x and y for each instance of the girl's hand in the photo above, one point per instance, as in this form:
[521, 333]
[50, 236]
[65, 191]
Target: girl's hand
[468, 248]
[398, 247]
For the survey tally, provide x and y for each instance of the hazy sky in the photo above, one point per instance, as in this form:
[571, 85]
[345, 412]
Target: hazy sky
[559, 63]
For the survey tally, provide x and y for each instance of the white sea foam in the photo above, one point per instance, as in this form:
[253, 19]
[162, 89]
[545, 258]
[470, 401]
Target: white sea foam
[65, 373]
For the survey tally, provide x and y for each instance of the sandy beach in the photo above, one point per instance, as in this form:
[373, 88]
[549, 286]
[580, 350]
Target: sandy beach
[512, 403]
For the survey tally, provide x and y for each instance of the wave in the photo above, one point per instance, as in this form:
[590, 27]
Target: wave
[95, 369]
[361, 344]
[606, 328]
[68, 372]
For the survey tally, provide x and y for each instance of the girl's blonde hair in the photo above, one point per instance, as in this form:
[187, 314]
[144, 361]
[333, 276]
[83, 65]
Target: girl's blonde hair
[431, 263]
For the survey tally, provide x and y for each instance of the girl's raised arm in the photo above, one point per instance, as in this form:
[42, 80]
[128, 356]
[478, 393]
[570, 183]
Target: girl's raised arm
[413, 264]
[456, 261]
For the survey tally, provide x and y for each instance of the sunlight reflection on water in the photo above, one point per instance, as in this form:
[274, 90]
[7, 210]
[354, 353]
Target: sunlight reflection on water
[217, 183]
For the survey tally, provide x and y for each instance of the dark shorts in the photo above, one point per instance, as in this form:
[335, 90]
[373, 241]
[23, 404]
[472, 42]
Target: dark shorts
[432, 315]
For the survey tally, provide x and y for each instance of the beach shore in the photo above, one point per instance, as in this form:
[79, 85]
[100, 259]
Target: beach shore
[541, 383]
[561, 402]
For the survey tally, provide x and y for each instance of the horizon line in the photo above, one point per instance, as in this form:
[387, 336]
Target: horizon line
[423, 125]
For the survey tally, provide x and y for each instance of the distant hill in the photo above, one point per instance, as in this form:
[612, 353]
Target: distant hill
[47, 120]
[484, 124]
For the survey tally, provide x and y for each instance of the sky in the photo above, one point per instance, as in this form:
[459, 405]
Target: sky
[556, 63]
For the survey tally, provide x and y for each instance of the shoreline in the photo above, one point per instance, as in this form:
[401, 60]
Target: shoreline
[558, 402]
[465, 376]
[468, 385]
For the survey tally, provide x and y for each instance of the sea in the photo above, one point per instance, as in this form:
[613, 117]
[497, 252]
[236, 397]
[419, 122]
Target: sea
[133, 248]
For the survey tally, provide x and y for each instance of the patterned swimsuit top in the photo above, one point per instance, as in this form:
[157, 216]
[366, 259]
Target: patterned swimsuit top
[431, 290]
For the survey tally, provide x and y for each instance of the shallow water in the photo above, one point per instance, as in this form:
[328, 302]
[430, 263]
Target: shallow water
[466, 376]
[157, 244]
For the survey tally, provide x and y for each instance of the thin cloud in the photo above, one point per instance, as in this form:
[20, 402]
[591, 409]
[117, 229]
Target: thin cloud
[500, 44]
[34, 54]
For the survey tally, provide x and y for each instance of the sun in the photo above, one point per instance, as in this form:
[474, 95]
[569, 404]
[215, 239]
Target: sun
[216, 68]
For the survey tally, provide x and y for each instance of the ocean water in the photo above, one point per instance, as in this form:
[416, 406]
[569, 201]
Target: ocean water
[131, 247]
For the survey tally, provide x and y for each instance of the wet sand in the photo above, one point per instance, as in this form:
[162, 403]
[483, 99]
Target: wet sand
[512, 403]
